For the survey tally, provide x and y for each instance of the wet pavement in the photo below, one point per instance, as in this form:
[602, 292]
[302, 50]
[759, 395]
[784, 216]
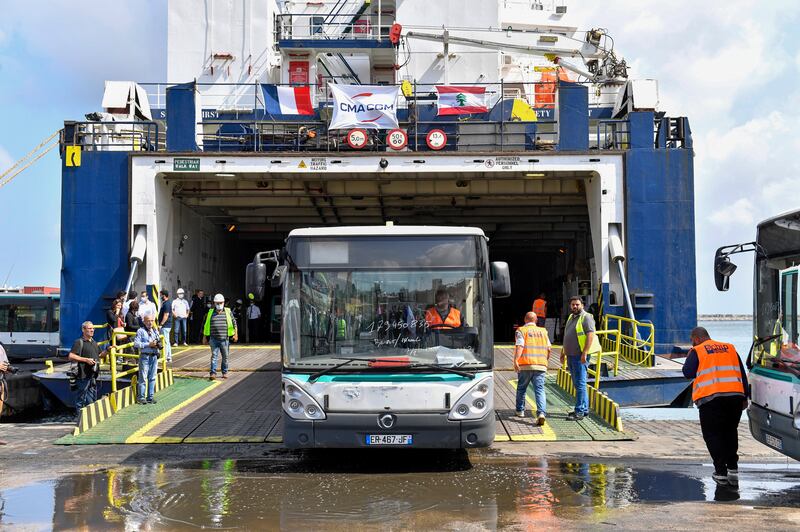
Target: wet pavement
[388, 490]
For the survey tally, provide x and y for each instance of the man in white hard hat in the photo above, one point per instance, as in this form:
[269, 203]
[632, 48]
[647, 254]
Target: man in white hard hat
[218, 329]
[180, 309]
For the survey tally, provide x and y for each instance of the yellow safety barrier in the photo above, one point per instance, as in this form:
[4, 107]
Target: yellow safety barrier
[610, 348]
[599, 402]
[634, 340]
[116, 351]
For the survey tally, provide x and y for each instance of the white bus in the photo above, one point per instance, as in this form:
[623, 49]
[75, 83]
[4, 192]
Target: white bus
[29, 325]
[774, 359]
[365, 363]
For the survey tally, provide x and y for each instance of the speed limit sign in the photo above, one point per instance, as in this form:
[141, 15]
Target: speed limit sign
[357, 138]
[397, 139]
[436, 139]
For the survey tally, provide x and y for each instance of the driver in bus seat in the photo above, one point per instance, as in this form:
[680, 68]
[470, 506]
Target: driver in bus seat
[442, 314]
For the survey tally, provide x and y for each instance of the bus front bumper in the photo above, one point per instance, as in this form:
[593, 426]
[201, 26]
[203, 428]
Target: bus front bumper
[351, 430]
[774, 430]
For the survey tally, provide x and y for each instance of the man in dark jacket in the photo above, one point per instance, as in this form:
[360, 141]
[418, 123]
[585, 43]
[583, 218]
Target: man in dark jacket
[197, 315]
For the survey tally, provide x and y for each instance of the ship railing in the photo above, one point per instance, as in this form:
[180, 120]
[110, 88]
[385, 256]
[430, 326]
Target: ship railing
[114, 135]
[325, 27]
[634, 339]
[122, 360]
[314, 136]
[611, 135]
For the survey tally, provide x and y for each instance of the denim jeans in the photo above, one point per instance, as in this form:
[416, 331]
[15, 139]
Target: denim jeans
[524, 379]
[85, 392]
[181, 333]
[578, 372]
[148, 366]
[167, 346]
[219, 347]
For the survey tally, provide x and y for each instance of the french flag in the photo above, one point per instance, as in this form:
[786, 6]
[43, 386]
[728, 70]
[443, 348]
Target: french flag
[458, 100]
[288, 100]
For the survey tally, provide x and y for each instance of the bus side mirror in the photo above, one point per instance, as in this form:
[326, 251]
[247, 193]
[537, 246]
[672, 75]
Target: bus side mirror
[255, 277]
[723, 269]
[501, 279]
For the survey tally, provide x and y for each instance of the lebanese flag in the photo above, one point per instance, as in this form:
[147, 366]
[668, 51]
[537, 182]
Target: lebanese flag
[288, 100]
[460, 100]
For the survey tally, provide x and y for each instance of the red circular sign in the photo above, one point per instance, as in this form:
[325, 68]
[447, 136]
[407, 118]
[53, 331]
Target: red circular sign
[397, 139]
[436, 139]
[357, 138]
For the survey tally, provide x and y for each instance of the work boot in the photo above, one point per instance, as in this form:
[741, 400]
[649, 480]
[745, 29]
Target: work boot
[574, 416]
[520, 413]
[540, 419]
[720, 479]
[224, 375]
[212, 376]
[141, 402]
[151, 401]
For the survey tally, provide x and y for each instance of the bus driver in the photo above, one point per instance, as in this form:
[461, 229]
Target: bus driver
[443, 315]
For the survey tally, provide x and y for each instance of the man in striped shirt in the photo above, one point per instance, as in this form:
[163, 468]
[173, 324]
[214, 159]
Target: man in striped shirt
[218, 329]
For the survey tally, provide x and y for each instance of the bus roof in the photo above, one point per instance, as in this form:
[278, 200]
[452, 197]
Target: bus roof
[388, 230]
[788, 215]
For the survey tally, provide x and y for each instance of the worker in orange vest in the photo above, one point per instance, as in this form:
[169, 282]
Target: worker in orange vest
[443, 315]
[531, 351]
[540, 309]
[720, 393]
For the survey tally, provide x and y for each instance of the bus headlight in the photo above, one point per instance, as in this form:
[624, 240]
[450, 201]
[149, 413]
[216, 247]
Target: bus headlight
[474, 404]
[299, 404]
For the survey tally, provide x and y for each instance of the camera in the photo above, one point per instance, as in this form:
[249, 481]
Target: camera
[159, 344]
[13, 370]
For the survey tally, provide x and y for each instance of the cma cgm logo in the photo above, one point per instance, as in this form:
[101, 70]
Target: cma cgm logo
[363, 108]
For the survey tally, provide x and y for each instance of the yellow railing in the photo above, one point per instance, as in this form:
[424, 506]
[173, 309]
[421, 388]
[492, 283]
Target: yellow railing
[609, 349]
[115, 352]
[634, 340]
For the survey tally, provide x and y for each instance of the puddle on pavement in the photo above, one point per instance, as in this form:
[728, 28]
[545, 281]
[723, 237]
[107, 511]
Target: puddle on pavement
[368, 490]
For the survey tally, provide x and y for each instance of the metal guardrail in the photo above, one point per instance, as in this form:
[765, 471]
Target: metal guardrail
[114, 136]
[116, 352]
[635, 340]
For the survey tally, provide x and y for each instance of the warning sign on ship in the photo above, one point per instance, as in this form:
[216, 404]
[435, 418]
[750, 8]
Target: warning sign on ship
[436, 139]
[397, 139]
[357, 138]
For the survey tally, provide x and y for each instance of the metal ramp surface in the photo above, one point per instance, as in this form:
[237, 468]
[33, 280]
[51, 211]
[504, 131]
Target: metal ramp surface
[245, 407]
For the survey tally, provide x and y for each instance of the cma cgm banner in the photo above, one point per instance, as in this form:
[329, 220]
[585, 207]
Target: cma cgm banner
[365, 106]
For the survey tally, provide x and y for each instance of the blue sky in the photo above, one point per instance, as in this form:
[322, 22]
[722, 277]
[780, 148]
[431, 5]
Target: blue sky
[730, 66]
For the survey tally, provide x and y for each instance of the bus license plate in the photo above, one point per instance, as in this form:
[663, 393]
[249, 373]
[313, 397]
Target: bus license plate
[389, 439]
[773, 441]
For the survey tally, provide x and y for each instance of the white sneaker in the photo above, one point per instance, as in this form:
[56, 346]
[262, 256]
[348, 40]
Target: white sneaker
[175, 344]
[520, 413]
[540, 420]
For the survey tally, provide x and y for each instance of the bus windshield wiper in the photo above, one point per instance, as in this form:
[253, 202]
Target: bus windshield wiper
[320, 373]
[446, 369]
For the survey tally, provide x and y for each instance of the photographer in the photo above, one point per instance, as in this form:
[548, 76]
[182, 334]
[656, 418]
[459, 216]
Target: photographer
[149, 344]
[4, 368]
[86, 353]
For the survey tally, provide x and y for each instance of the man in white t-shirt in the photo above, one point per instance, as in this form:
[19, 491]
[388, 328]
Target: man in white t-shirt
[180, 311]
[146, 307]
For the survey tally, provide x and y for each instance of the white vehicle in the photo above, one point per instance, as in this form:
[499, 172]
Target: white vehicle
[774, 359]
[29, 325]
[365, 361]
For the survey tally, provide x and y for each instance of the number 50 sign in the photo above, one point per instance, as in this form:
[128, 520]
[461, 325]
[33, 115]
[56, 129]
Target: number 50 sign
[397, 139]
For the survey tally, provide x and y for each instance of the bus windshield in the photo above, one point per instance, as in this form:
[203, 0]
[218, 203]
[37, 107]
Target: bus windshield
[402, 300]
[776, 295]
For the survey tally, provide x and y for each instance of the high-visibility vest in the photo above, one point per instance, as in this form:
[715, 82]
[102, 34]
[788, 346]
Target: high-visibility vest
[536, 348]
[453, 318]
[228, 317]
[540, 308]
[341, 328]
[718, 370]
[595, 347]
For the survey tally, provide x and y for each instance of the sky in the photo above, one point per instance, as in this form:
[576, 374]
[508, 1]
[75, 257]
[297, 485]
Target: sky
[730, 66]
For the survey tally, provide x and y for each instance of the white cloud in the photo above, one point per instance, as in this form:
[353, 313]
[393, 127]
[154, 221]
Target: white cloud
[739, 213]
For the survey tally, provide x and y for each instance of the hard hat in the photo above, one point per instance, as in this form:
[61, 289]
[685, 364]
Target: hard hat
[219, 298]
[180, 290]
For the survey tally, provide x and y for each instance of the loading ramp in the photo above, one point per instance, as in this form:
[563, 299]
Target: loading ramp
[246, 408]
